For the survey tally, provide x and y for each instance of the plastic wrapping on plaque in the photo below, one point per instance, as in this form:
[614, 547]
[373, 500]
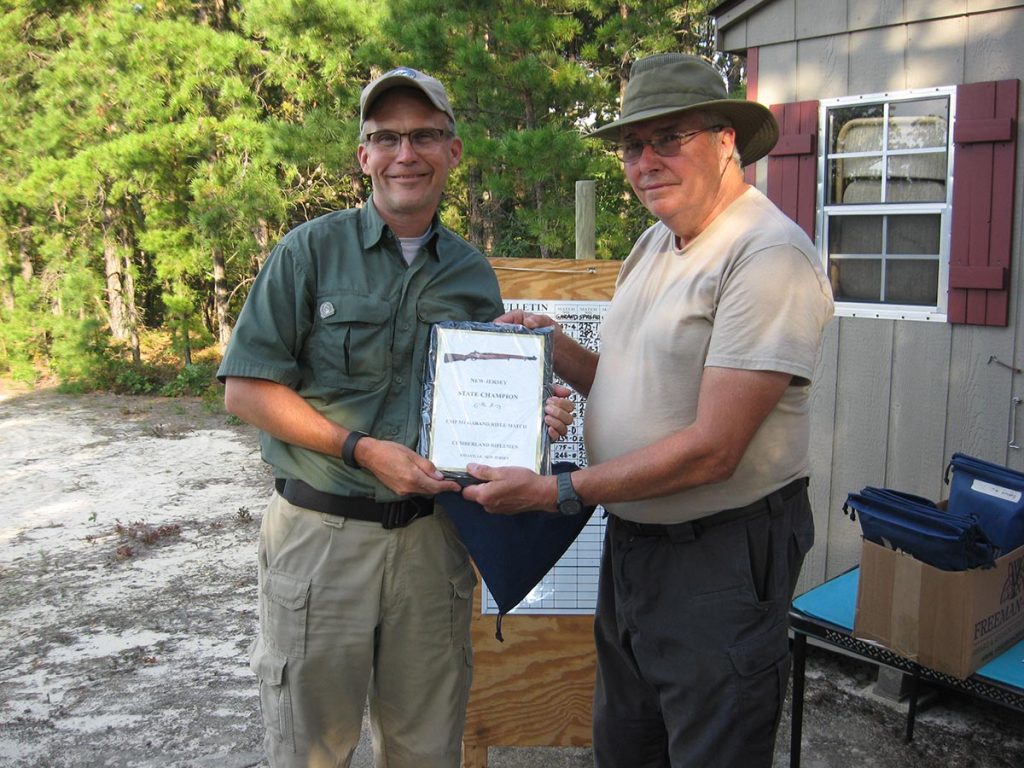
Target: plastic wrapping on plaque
[484, 390]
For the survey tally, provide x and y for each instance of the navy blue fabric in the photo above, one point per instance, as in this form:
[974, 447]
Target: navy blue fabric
[941, 538]
[513, 552]
[992, 493]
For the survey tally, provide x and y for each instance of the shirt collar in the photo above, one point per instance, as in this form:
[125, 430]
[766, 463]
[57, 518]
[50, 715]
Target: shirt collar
[373, 227]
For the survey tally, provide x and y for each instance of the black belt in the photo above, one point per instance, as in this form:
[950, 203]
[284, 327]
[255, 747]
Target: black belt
[691, 530]
[390, 514]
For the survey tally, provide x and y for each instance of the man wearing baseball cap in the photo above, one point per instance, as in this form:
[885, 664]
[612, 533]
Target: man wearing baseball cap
[365, 588]
[696, 431]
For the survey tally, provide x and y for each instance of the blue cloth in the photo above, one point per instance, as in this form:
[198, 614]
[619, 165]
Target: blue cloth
[513, 552]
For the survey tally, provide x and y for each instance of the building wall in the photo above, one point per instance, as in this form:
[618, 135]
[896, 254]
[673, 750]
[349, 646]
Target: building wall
[893, 400]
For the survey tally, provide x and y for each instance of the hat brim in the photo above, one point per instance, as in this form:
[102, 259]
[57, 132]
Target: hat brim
[756, 128]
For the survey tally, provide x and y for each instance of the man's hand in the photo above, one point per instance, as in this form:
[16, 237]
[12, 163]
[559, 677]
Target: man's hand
[508, 490]
[402, 470]
[558, 412]
[528, 320]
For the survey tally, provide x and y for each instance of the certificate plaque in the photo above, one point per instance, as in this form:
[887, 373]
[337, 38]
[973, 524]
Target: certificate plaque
[483, 397]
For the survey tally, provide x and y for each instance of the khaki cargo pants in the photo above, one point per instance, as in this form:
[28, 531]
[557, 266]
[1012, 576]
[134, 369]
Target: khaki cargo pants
[350, 611]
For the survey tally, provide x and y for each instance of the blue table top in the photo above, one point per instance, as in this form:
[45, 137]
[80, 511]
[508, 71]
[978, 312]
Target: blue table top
[836, 600]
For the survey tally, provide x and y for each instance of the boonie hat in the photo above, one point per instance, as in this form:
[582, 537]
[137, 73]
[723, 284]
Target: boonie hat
[408, 77]
[675, 83]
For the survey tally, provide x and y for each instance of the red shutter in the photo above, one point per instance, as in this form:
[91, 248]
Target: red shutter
[984, 167]
[792, 164]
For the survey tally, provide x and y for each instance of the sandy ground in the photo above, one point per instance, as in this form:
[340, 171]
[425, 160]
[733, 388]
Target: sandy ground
[127, 583]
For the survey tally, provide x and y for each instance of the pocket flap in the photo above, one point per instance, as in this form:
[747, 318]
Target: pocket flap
[463, 583]
[352, 308]
[757, 654]
[287, 591]
[267, 664]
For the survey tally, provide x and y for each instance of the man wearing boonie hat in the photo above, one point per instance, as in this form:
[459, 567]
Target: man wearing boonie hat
[696, 431]
[365, 589]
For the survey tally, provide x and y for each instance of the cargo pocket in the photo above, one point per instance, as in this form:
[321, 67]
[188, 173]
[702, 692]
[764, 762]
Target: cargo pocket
[270, 668]
[285, 608]
[762, 664]
[462, 585]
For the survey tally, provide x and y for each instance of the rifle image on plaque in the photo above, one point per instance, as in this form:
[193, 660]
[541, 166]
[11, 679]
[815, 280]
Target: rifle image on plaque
[454, 357]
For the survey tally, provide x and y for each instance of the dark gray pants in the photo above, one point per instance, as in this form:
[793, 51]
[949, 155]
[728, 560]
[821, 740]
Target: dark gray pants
[692, 641]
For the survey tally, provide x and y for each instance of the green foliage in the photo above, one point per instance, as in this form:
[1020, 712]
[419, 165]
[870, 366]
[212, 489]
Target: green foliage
[23, 338]
[195, 380]
[151, 153]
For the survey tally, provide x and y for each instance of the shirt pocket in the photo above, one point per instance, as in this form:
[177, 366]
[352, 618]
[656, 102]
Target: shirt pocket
[351, 341]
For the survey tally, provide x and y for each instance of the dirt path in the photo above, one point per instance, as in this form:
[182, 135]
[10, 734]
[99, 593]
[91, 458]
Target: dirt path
[128, 535]
[127, 545]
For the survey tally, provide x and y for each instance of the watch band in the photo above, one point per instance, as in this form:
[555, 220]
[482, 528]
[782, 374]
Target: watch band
[569, 502]
[348, 448]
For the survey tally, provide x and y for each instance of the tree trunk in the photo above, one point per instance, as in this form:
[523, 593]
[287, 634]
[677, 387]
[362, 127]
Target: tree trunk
[220, 298]
[186, 341]
[23, 253]
[112, 270]
[261, 234]
[477, 229]
[131, 308]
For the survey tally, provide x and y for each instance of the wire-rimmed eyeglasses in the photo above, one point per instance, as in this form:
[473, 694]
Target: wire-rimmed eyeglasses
[666, 145]
[422, 139]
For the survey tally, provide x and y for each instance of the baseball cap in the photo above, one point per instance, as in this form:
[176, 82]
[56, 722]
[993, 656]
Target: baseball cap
[410, 78]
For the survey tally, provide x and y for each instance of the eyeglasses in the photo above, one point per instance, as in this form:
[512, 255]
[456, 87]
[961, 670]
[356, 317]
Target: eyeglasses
[667, 145]
[422, 139]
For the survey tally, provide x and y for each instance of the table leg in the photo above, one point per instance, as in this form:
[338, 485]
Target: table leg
[797, 709]
[912, 705]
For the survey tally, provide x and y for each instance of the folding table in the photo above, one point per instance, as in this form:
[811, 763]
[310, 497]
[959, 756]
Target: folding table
[826, 614]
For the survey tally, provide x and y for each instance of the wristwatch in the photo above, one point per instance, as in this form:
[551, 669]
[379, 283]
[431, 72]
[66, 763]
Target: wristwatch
[569, 502]
[348, 448]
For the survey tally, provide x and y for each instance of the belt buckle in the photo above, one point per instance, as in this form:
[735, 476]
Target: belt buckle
[394, 515]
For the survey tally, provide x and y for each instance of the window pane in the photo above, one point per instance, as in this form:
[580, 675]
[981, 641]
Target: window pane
[855, 234]
[917, 178]
[850, 128]
[917, 234]
[856, 279]
[918, 124]
[912, 282]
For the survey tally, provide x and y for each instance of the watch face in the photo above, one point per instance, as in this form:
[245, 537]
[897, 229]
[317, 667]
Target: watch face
[570, 507]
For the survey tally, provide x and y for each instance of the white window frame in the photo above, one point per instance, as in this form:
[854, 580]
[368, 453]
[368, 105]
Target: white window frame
[944, 209]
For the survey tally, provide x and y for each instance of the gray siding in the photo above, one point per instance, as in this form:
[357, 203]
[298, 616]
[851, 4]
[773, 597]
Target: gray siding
[894, 399]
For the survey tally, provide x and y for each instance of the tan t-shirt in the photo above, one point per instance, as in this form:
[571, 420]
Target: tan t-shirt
[748, 292]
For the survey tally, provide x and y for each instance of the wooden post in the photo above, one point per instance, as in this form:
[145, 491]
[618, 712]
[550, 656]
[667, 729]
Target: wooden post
[586, 218]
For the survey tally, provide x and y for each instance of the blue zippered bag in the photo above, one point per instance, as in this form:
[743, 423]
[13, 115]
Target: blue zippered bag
[913, 524]
[992, 493]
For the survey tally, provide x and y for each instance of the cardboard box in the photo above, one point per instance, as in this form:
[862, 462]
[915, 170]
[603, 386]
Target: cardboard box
[951, 621]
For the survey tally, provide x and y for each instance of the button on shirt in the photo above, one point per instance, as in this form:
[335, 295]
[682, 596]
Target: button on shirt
[338, 316]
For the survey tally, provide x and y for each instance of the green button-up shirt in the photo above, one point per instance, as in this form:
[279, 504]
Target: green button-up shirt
[338, 316]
